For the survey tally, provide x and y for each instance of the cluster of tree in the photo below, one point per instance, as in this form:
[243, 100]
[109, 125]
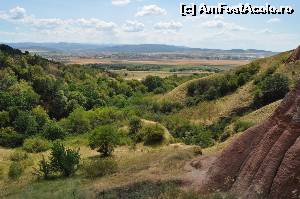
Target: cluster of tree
[213, 88]
[270, 87]
[36, 93]
[185, 131]
[160, 85]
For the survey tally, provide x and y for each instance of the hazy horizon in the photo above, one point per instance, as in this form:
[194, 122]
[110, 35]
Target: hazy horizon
[145, 22]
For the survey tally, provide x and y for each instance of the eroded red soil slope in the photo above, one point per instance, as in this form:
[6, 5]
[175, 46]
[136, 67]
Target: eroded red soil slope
[264, 162]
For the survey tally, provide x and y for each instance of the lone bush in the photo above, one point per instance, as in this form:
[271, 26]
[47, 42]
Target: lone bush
[100, 168]
[44, 170]
[153, 134]
[36, 145]
[104, 139]
[64, 161]
[15, 170]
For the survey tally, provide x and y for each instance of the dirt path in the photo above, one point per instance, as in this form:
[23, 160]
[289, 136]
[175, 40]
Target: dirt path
[197, 171]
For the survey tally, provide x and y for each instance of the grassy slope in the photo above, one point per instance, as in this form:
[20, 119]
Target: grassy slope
[144, 164]
[209, 112]
[261, 114]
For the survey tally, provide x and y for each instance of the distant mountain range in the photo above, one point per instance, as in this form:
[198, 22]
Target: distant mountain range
[140, 48]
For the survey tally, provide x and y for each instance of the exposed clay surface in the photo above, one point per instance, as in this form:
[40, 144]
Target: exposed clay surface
[264, 162]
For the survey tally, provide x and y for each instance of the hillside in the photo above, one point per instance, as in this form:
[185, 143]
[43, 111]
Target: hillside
[123, 137]
[227, 110]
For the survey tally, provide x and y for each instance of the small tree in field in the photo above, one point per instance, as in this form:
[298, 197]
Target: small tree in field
[104, 139]
[64, 160]
[135, 124]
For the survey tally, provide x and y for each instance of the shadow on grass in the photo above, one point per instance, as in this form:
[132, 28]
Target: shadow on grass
[139, 190]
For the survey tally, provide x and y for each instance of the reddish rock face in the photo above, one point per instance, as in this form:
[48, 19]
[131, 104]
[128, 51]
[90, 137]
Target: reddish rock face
[295, 55]
[264, 162]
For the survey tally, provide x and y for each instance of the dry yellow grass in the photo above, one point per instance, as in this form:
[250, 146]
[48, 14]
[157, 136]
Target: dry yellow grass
[143, 164]
[261, 114]
[82, 60]
[209, 112]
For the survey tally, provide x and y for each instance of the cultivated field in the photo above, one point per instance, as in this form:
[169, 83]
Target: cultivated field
[78, 60]
[139, 75]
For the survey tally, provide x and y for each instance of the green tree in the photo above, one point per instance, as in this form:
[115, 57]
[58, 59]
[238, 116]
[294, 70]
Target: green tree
[78, 122]
[41, 116]
[53, 131]
[153, 82]
[10, 138]
[23, 96]
[104, 139]
[64, 160]
[272, 88]
[4, 119]
[26, 123]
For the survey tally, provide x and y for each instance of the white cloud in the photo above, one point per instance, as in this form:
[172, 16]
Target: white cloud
[214, 24]
[169, 26]
[120, 2]
[220, 24]
[133, 26]
[17, 13]
[96, 23]
[45, 23]
[273, 20]
[151, 10]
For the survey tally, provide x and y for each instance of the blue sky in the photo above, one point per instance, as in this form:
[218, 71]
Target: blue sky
[146, 21]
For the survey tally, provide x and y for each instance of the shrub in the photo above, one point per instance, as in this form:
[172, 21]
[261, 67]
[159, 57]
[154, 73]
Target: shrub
[197, 150]
[104, 116]
[40, 115]
[78, 122]
[15, 170]
[53, 131]
[44, 170]
[26, 123]
[135, 124]
[105, 139]
[159, 90]
[271, 89]
[36, 145]
[153, 134]
[210, 89]
[153, 82]
[4, 119]
[64, 161]
[169, 107]
[18, 156]
[194, 134]
[100, 168]
[10, 138]
[241, 126]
